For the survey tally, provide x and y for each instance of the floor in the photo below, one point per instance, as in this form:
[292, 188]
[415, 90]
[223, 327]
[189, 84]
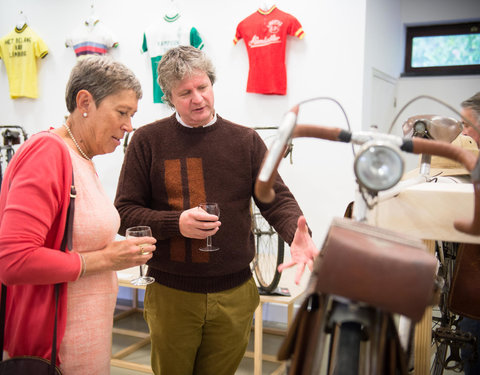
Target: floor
[271, 343]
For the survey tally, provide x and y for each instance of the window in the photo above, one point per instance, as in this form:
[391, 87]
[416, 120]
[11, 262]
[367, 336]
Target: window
[443, 49]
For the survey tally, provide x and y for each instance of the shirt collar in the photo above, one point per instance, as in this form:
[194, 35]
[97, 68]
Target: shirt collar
[179, 119]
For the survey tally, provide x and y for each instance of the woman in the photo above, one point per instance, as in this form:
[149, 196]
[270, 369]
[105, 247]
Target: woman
[101, 97]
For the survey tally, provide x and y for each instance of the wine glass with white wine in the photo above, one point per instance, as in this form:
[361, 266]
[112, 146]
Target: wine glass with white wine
[214, 209]
[140, 231]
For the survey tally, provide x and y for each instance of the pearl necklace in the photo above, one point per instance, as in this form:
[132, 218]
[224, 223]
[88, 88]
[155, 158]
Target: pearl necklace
[75, 142]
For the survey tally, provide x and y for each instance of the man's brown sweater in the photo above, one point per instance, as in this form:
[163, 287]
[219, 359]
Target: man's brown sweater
[169, 168]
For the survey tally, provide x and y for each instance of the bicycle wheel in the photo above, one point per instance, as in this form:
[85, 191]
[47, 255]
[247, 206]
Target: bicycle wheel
[269, 252]
[438, 364]
[348, 352]
[444, 321]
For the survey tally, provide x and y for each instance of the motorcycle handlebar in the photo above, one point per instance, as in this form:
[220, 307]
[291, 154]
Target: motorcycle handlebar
[264, 184]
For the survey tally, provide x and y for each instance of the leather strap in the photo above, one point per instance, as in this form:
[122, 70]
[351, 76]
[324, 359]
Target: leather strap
[66, 242]
[2, 318]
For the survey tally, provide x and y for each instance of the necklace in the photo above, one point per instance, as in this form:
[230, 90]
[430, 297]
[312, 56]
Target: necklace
[75, 142]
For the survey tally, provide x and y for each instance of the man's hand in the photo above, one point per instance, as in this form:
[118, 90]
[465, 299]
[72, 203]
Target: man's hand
[302, 249]
[196, 223]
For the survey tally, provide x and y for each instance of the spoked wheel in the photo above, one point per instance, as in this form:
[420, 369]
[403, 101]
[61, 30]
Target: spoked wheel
[269, 252]
[438, 363]
[445, 331]
[348, 353]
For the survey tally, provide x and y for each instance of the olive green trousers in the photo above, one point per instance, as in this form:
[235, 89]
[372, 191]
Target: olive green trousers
[199, 333]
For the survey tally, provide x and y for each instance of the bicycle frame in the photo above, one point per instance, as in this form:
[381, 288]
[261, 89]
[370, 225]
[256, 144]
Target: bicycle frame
[10, 138]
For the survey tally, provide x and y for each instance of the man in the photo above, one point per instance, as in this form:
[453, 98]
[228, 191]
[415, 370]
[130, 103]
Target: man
[471, 111]
[200, 309]
[471, 361]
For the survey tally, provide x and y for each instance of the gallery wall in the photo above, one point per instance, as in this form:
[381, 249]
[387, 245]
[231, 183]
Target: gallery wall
[327, 62]
[450, 89]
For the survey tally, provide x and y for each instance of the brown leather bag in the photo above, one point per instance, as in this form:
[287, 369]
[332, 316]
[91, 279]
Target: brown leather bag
[463, 298]
[382, 268]
[363, 263]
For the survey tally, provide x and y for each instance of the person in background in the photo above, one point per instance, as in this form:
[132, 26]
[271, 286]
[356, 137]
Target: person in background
[200, 309]
[471, 360]
[101, 97]
[471, 111]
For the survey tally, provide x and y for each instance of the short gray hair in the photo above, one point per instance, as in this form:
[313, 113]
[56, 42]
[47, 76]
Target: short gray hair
[474, 104]
[101, 76]
[178, 63]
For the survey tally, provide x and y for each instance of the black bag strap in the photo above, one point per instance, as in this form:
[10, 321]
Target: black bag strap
[2, 318]
[67, 236]
[66, 242]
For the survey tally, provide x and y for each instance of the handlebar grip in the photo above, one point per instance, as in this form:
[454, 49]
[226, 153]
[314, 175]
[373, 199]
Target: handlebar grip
[264, 189]
[264, 185]
[323, 132]
[431, 147]
[471, 163]
[264, 192]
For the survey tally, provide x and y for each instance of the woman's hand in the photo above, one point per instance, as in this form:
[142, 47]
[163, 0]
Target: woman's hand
[119, 255]
[133, 251]
[302, 249]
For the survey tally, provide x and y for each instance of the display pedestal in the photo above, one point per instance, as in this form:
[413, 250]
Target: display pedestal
[118, 358]
[257, 354]
[427, 211]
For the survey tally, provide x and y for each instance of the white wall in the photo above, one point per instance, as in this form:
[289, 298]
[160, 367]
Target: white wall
[386, 23]
[450, 89]
[383, 61]
[327, 62]
[425, 12]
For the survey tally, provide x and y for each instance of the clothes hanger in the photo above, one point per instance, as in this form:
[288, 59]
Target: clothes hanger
[93, 19]
[172, 11]
[21, 20]
[266, 5]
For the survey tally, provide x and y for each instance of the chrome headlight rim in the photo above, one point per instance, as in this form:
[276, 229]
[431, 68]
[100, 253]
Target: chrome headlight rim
[376, 148]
